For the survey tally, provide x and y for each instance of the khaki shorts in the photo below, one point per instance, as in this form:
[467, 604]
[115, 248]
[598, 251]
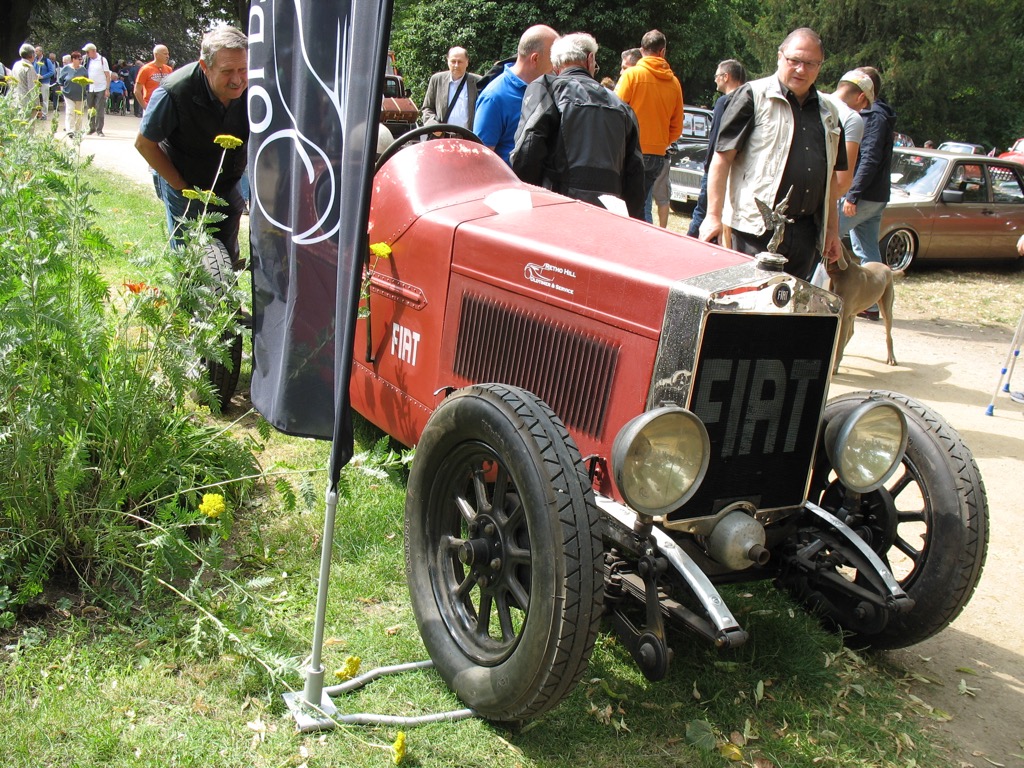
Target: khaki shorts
[660, 193]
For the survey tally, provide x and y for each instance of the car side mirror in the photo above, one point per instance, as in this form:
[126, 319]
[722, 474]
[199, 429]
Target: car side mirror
[952, 196]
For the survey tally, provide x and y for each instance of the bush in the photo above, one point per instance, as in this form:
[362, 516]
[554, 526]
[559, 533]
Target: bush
[103, 448]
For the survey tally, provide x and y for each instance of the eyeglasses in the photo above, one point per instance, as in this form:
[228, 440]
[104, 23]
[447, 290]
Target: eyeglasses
[810, 66]
[719, 75]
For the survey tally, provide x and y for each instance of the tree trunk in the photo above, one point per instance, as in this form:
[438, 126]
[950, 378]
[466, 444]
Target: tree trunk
[14, 27]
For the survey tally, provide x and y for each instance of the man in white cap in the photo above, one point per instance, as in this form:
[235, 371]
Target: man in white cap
[99, 88]
[861, 209]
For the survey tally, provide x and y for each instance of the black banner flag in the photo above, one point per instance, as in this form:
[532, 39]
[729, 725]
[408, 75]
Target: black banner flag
[315, 82]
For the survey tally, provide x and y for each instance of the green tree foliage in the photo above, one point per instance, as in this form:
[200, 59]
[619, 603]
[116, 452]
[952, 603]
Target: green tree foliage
[951, 70]
[121, 29]
[490, 31]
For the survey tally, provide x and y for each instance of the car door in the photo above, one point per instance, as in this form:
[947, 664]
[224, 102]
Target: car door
[1008, 209]
[963, 228]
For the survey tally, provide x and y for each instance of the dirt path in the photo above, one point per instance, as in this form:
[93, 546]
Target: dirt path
[954, 369]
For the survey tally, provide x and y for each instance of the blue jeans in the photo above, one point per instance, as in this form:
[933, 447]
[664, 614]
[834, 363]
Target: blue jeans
[700, 209]
[652, 170]
[176, 205]
[863, 229]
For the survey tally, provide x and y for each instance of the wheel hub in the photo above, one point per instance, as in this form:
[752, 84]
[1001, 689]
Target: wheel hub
[482, 554]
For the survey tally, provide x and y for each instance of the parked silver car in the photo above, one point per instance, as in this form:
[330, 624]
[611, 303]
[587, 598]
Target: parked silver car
[947, 206]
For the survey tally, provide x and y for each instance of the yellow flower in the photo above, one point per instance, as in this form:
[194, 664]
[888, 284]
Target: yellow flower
[81, 80]
[212, 505]
[349, 668]
[398, 748]
[381, 250]
[197, 194]
[227, 141]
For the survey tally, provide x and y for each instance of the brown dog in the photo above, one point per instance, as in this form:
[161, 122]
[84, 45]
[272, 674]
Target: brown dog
[860, 286]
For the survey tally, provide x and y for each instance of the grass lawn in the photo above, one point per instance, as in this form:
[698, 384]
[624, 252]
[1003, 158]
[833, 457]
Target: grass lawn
[85, 681]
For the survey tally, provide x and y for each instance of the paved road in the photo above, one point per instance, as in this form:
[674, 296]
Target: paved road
[116, 150]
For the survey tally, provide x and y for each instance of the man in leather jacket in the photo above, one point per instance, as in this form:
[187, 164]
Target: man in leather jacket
[575, 136]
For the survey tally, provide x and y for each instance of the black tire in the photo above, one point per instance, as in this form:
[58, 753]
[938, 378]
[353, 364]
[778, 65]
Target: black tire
[899, 248]
[223, 378]
[929, 524]
[500, 521]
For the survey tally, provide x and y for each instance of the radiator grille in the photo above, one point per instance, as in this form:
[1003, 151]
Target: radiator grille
[759, 387]
[571, 371]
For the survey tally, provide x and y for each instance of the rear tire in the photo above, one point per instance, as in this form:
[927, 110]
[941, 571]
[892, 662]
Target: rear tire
[223, 378]
[502, 552]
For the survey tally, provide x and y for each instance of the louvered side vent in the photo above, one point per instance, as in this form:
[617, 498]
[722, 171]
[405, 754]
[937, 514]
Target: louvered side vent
[572, 372]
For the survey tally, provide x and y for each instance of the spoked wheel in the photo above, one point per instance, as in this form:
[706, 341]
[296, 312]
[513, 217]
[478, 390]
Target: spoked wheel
[502, 552]
[929, 524]
[448, 129]
[899, 248]
[223, 377]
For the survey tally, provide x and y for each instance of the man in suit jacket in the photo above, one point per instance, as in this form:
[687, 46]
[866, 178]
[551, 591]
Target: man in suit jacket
[456, 84]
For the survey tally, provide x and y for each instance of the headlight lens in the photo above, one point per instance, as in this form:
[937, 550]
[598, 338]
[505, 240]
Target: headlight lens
[867, 445]
[659, 459]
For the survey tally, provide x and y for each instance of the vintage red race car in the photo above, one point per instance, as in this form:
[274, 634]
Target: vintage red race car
[612, 419]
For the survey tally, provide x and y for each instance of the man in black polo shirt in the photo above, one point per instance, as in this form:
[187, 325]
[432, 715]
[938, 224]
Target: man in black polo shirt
[778, 138]
[193, 106]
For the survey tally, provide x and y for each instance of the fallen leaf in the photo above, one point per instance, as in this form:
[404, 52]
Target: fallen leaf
[967, 671]
[759, 690]
[695, 693]
[701, 734]
[393, 630]
[965, 689]
[730, 751]
[259, 729]
[763, 762]
[737, 738]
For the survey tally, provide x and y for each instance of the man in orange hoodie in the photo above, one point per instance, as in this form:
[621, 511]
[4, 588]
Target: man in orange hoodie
[656, 97]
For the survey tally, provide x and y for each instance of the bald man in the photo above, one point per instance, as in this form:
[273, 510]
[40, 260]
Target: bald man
[501, 102]
[151, 75]
[451, 96]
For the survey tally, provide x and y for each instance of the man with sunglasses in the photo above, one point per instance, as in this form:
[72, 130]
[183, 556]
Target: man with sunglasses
[779, 140]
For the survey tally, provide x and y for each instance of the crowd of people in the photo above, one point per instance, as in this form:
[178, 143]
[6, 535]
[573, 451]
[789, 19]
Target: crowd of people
[780, 150]
[819, 162]
[84, 85]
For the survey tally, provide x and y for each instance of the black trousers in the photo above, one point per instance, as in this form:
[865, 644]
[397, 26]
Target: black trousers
[799, 245]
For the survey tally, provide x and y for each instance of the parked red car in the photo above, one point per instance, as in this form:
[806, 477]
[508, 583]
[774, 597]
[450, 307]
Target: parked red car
[1015, 153]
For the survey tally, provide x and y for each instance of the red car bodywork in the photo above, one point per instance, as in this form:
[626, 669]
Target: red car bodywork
[447, 208]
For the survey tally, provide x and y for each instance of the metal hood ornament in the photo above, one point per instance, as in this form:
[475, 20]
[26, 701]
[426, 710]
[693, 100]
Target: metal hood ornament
[775, 221]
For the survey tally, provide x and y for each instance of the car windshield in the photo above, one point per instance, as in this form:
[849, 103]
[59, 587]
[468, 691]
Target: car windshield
[918, 174]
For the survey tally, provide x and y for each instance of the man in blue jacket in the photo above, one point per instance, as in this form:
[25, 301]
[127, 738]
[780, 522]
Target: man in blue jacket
[860, 211]
[47, 72]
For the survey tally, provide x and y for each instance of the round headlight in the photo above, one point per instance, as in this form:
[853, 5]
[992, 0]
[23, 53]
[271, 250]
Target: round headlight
[659, 459]
[867, 445]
